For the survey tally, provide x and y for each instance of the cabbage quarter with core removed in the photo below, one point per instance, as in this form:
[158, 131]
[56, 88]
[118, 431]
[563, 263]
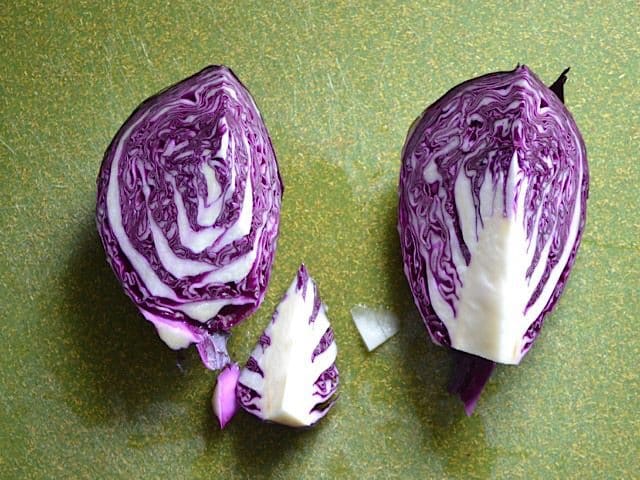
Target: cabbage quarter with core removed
[188, 210]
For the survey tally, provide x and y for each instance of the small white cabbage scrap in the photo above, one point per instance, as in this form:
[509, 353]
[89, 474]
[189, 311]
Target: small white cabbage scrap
[375, 326]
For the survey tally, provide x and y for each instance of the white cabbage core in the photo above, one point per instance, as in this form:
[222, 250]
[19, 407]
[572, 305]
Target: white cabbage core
[490, 318]
[287, 389]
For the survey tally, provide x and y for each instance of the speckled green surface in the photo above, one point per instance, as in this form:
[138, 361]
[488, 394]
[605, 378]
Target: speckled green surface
[86, 388]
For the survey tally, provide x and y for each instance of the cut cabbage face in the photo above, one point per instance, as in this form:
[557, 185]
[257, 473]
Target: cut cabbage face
[493, 193]
[188, 210]
[493, 196]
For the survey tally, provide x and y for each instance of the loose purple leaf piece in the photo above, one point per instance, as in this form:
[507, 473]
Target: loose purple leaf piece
[291, 377]
[188, 209]
[493, 191]
[224, 401]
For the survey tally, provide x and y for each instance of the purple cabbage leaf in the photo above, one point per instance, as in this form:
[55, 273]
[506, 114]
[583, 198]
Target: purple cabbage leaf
[224, 401]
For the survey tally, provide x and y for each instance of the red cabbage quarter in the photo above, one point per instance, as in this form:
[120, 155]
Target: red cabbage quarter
[188, 210]
[291, 377]
[492, 204]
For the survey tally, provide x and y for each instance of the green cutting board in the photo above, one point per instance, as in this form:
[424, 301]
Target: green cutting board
[87, 390]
